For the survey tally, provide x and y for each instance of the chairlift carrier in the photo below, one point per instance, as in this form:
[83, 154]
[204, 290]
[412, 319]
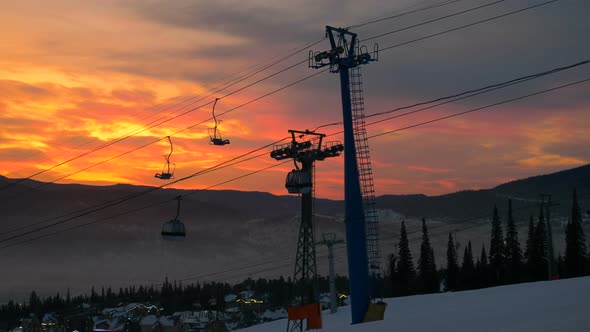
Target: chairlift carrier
[216, 138]
[167, 173]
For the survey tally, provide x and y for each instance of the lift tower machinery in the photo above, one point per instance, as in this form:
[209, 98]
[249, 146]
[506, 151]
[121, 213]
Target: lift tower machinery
[305, 152]
[362, 230]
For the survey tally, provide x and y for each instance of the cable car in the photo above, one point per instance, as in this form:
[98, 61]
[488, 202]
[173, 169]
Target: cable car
[167, 173]
[214, 133]
[298, 182]
[174, 229]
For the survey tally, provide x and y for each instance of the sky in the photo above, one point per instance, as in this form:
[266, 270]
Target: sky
[76, 75]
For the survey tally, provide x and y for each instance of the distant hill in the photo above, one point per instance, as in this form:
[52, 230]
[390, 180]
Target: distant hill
[463, 204]
[524, 193]
[225, 229]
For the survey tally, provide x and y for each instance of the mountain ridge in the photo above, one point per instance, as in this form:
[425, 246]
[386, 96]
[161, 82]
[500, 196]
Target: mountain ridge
[228, 228]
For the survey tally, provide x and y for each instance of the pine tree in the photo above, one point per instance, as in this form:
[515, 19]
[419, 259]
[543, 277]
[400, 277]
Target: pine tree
[405, 265]
[93, 295]
[560, 265]
[513, 254]
[529, 252]
[393, 277]
[483, 271]
[575, 242]
[497, 249]
[426, 264]
[467, 268]
[35, 304]
[452, 277]
[540, 249]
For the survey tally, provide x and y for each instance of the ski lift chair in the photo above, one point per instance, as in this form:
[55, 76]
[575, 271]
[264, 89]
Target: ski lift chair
[167, 173]
[214, 133]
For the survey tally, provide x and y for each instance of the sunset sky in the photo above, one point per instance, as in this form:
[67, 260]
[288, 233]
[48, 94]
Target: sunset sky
[75, 75]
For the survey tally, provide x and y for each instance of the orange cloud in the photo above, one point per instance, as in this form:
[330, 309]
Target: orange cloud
[552, 160]
[81, 75]
[429, 169]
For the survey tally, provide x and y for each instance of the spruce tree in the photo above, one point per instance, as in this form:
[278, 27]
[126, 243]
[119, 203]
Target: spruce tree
[405, 265]
[393, 277]
[540, 249]
[497, 249]
[467, 268]
[513, 254]
[452, 277]
[529, 252]
[575, 242]
[560, 265]
[426, 264]
[483, 275]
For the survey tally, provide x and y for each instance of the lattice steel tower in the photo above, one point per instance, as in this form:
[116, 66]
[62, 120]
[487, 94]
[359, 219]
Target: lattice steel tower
[300, 181]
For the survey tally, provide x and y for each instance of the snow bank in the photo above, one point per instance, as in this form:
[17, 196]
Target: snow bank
[556, 306]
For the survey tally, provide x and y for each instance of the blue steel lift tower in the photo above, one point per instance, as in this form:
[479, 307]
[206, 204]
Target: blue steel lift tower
[300, 181]
[362, 232]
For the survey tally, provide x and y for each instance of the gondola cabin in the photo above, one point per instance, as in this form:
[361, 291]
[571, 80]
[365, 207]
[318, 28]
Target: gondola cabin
[298, 182]
[173, 230]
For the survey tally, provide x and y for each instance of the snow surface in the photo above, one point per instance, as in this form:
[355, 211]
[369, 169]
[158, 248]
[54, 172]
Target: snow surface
[551, 306]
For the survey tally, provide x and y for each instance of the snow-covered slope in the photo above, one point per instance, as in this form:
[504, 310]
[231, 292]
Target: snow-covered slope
[556, 306]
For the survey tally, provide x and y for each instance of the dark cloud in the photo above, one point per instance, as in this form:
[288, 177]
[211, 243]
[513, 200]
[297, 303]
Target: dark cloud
[259, 24]
[20, 123]
[135, 96]
[10, 89]
[18, 154]
[521, 44]
[577, 149]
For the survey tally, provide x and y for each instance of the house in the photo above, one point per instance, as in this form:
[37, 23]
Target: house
[117, 324]
[149, 323]
[191, 324]
[169, 324]
[50, 323]
[216, 326]
[31, 324]
[231, 306]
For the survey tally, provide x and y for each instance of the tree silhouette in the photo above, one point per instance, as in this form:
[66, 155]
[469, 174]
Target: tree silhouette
[575, 242]
[426, 264]
[497, 249]
[405, 265]
[540, 249]
[467, 269]
[513, 254]
[452, 276]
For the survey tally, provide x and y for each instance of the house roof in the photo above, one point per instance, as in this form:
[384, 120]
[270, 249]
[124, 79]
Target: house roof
[114, 324]
[230, 297]
[148, 320]
[49, 318]
[168, 320]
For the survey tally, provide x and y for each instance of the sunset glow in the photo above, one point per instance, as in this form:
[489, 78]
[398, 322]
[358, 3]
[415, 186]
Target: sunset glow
[75, 76]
